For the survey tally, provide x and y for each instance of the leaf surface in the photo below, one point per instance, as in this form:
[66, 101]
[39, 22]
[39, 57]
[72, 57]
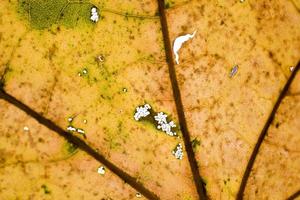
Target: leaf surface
[63, 66]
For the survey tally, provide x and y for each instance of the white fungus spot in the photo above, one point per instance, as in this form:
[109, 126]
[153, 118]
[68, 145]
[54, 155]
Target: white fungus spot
[70, 119]
[178, 43]
[101, 170]
[84, 71]
[178, 152]
[26, 128]
[242, 1]
[84, 121]
[138, 195]
[142, 111]
[94, 15]
[165, 126]
[124, 89]
[71, 128]
[80, 131]
[292, 69]
[161, 118]
[233, 71]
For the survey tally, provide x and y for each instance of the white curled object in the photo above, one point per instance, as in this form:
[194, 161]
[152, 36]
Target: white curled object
[179, 42]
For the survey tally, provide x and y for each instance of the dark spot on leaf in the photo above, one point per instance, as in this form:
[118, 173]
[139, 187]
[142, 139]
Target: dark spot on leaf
[46, 189]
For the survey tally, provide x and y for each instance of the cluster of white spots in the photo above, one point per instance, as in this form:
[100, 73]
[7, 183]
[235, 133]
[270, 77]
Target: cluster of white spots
[165, 126]
[179, 42]
[233, 71]
[84, 72]
[26, 128]
[142, 111]
[101, 170]
[73, 129]
[138, 195]
[178, 152]
[94, 15]
[161, 118]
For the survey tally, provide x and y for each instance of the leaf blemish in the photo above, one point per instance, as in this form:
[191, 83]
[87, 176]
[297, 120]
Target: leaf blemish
[46, 189]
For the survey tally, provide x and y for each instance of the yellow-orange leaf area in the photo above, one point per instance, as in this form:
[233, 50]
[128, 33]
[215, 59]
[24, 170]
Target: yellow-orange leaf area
[97, 74]
[57, 61]
[227, 113]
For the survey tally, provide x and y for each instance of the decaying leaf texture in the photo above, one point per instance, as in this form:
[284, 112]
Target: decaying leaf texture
[96, 74]
[53, 83]
[39, 164]
[227, 113]
[276, 172]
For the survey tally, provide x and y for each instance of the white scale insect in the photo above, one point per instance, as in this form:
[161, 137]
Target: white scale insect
[101, 170]
[80, 131]
[178, 152]
[84, 71]
[138, 195]
[71, 128]
[179, 42]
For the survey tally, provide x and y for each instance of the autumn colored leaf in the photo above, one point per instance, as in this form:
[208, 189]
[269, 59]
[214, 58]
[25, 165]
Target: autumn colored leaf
[38, 164]
[228, 113]
[70, 88]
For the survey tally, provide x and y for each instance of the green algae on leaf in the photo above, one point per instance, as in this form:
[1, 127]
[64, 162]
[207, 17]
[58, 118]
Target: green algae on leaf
[71, 148]
[195, 143]
[43, 14]
[76, 13]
